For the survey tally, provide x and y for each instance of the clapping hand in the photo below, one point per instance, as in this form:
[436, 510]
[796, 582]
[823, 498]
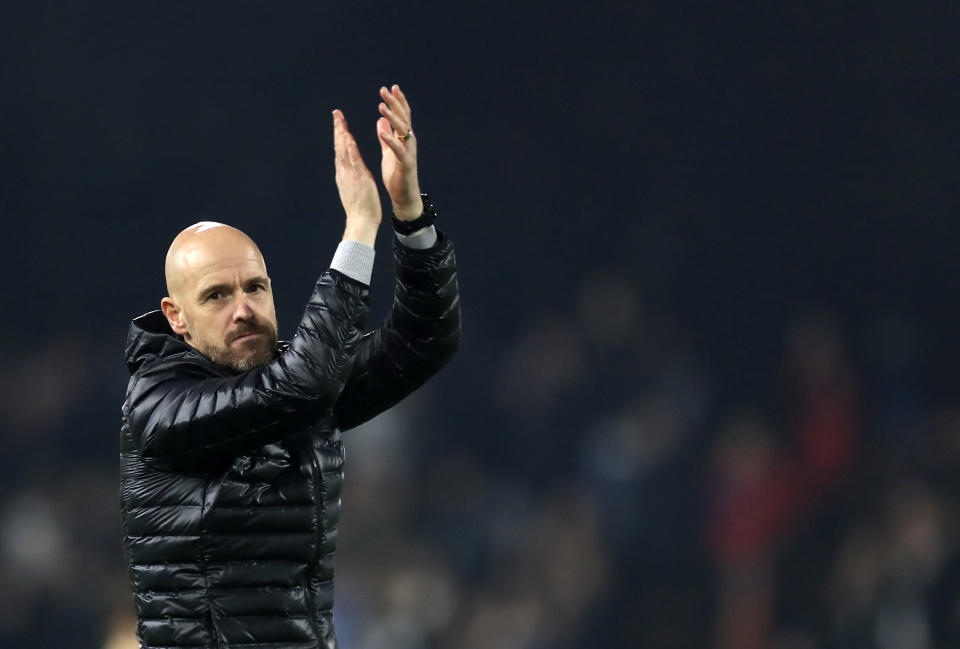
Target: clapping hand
[398, 145]
[358, 191]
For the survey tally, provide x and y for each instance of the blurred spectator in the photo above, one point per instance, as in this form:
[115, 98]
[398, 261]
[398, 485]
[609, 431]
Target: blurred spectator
[754, 492]
[820, 401]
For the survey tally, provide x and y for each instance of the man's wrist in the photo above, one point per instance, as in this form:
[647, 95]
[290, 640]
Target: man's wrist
[410, 211]
[362, 233]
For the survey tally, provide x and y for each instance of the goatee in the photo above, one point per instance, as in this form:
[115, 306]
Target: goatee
[244, 360]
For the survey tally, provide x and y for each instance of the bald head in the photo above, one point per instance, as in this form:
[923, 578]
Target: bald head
[199, 246]
[219, 295]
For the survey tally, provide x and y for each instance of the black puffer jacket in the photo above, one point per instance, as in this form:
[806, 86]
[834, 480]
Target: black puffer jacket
[230, 487]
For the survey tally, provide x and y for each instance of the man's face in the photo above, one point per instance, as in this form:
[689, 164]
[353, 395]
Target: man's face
[222, 303]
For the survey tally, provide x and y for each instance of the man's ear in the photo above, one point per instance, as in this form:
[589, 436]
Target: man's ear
[174, 317]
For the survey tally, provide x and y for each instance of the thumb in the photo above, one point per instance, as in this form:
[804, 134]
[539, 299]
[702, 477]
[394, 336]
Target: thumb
[383, 130]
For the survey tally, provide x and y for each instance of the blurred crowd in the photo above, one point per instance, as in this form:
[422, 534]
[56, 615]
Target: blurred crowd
[587, 477]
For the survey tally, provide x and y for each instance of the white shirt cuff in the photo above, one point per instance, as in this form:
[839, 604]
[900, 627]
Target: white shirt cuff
[355, 260]
[421, 240]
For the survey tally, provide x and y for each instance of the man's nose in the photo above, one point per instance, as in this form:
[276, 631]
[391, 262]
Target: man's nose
[242, 310]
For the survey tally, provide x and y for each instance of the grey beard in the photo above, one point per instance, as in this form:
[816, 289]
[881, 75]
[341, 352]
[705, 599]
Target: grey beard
[259, 359]
[225, 357]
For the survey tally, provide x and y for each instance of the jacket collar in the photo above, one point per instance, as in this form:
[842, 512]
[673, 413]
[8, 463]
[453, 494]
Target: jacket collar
[150, 337]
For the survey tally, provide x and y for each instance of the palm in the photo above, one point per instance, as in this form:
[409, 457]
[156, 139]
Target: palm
[393, 175]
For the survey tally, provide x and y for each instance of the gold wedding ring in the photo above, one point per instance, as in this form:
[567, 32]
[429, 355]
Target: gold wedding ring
[407, 136]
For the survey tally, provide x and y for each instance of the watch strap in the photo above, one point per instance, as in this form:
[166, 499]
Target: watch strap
[425, 220]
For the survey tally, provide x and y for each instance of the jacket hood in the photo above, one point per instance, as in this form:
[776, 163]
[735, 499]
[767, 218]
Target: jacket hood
[150, 337]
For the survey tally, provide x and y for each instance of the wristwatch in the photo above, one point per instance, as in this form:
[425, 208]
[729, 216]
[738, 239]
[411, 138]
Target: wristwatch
[426, 218]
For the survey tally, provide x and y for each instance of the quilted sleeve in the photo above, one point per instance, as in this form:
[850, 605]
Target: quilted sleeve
[419, 336]
[175, 409]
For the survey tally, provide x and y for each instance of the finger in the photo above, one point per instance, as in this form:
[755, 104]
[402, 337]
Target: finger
[399, 147]
[347, 153]
[399, 124]
[401, 98]
[340, 121]
[339, 155]
[340, 131]
[395, 103]
[404, 104]
[357, 165]
[353, 153]
[383, 130]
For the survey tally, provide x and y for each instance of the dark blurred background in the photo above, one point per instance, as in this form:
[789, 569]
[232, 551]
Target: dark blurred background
[706, 395]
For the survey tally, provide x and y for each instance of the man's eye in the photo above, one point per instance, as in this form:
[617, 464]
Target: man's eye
[253, 288]
[213, 296]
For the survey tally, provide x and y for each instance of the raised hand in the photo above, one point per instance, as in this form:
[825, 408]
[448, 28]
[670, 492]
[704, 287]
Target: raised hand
[358, 190]
[398, 145]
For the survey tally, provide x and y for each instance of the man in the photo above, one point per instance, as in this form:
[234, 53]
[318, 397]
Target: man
[230, 443]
